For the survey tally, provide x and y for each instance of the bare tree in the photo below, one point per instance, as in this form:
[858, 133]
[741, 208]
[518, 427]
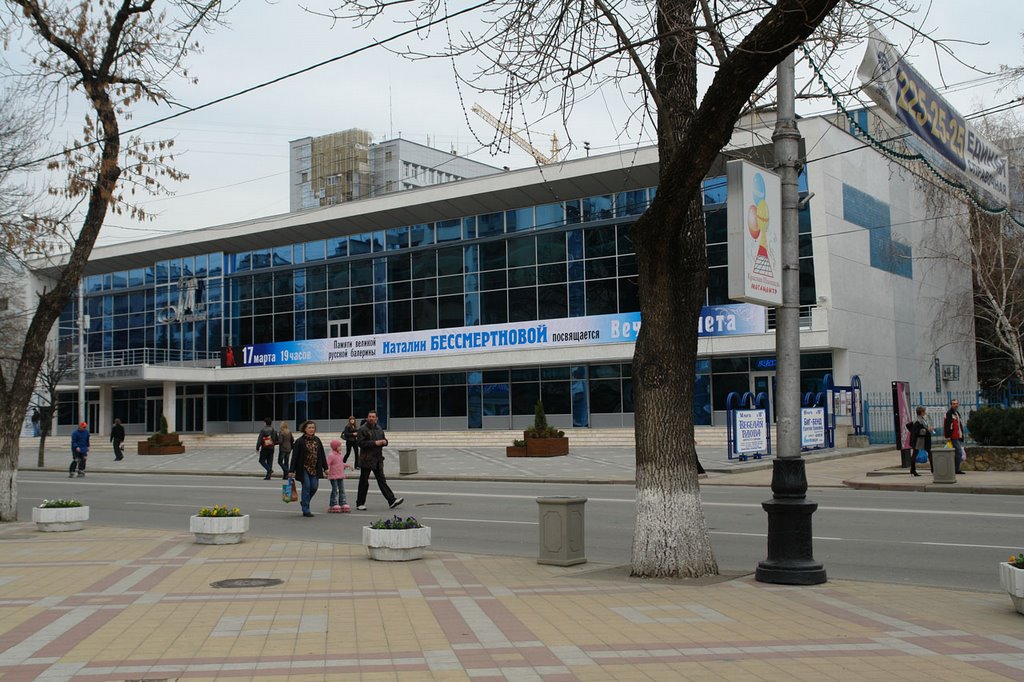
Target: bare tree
[553, 56]
[118, 54]
[56, 367]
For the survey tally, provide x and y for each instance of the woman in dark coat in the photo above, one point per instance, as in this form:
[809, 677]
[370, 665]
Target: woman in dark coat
[920, 439]
[309, 462]
[285, 440]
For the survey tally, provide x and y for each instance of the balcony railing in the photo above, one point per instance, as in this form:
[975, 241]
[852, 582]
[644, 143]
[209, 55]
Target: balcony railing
[147, 356]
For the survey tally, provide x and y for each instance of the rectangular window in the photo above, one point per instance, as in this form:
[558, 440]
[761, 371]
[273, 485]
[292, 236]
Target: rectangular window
[550, 215]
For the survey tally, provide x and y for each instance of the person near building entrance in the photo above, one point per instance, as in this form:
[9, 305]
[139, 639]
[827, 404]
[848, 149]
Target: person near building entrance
[285, 439]
[79, 450]
[371, 459]
[35, 422]
[265, 442]
[309, 462]
[920, 439]
[117, 438]
[351, 437]
[953, 428]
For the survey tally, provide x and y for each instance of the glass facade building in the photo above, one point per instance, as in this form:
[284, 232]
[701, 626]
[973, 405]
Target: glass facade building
[545, 261]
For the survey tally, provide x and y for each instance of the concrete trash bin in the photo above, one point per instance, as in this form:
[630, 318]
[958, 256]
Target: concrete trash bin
[943, 469]
[561, 530]
[407, 462]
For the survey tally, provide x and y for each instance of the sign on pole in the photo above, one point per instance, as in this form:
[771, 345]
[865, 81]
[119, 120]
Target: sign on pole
[754, 212]
[751, 430]
[938, 131]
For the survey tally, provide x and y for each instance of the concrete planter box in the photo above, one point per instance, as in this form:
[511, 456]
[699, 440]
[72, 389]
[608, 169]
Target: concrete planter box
[218, 530]
[515, 451]
[1012, 580]
[561, 530]
[59, 519]
[384, 544]
[547, 447]
[994, 458]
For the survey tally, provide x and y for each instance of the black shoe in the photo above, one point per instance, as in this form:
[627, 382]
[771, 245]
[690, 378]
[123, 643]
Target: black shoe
[398, 501]
[307, 513]
[914, 473]
[71, 475]
[267, 477]
[81, 473]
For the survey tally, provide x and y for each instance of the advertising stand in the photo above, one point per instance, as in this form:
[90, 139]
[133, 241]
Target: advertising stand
[748, 426]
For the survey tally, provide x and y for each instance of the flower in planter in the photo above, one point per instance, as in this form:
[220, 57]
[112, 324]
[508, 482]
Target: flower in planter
[220, 510]
[1017, 561]
[59, 504]
[396, 523]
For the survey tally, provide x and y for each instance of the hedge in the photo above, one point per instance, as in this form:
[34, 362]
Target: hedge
[997, 426]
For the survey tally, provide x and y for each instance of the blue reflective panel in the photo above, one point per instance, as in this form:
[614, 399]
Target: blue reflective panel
[631, 203]
[282, 255]
[715, 190]
[580, 402]
[261, 259]
[397, 238]
[469, 227]
[474, 408]
[359, 244]
[106, 282]
[449, 230]
[572, 212]
[597, 208]
[136, 278]
[217, 263]
[337, 247]
[550, 215]
[577, 299]
[472, 310]
[174, 269]
[119, 280]
[519, 219]
[314, 250]
[801, 181]
[490, 224]
[201, 263]
[421, 235]
[575, 244]
[471, 256]
[94, 283]
[377, 241]
[137, 303]
[703, 366]
[188, 266]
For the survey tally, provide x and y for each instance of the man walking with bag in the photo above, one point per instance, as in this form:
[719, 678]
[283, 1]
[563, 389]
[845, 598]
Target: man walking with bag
[953, 429]
[371, 458]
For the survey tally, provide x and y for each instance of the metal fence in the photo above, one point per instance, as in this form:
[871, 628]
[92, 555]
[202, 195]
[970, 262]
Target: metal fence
[879, 419]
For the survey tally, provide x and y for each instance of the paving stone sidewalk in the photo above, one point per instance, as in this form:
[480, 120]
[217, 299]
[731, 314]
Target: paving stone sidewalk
[69, 611]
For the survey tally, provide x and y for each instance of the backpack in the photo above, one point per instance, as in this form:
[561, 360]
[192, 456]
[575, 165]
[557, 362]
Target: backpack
[268, 440]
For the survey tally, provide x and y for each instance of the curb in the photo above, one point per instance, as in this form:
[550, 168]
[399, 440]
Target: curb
[859, 484]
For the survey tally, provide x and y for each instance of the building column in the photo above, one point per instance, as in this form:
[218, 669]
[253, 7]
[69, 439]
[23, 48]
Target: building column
[106, 410]
[170, 404]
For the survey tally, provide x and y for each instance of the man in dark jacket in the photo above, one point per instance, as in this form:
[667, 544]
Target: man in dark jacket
[371, 458]
[79, 449]
[953, 428]
[117, 437]
[265, 443]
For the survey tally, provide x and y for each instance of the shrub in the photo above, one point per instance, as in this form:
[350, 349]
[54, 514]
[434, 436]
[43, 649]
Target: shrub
[997, 426]
[220, 510]
[396, 522]
[59, 504]
[1017, 560]
[519, 443]
[540, 428]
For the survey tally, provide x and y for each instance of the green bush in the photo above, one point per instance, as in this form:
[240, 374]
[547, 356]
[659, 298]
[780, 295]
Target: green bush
[997, 426]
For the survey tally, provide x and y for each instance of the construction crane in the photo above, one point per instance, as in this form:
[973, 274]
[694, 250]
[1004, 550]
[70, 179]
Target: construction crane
[540, 157]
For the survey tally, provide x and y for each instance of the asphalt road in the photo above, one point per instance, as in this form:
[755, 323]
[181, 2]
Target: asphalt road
[945, 540]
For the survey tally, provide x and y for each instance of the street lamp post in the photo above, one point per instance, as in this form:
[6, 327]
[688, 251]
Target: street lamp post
[790, 552]
[81, 354]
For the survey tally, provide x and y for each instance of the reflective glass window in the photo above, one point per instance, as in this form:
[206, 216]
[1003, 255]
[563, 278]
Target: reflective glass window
[337, 247]
[377, 241]
[450, 261]
[550, 215]
[397, 238]
[314, 250]
[714, 190]
[597, 208]
[521, 251]
[119, 280]
[448, 230]
[572, 212]
[492, 255]
[519, 219]
[490, 224]
[136, 278]
[188, 266]
[421, 235]
[282, 255]
[551, 247]
[469, 227]
[201, 266]
[631, 203]
[424, 264]
[359, 244]
[94, 283]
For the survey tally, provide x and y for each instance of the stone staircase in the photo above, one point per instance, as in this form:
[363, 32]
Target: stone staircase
[706, 436]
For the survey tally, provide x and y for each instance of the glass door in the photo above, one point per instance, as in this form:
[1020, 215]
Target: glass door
[764, 382]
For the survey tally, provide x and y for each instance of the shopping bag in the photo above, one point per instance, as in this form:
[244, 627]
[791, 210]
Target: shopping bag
[922, 456]
[286, 492]
[295, 493]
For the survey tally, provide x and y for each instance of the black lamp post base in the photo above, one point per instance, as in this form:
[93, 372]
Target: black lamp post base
[790, 540]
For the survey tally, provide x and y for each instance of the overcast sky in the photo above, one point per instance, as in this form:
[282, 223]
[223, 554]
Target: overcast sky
[237, 153]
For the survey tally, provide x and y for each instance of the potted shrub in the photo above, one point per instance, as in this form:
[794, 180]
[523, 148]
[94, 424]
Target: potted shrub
[543, 440]
[219, 525]
[517, 449]
[60, 515]
[396, 539]
[1011, 577]
[162, 442]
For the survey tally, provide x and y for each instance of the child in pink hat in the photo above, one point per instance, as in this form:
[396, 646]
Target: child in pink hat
[336, 466]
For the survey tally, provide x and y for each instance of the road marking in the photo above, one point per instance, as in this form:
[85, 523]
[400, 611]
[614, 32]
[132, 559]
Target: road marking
[505, 496]
[956, 545]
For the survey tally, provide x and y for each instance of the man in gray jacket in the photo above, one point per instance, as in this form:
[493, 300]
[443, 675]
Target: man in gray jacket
[372, 441]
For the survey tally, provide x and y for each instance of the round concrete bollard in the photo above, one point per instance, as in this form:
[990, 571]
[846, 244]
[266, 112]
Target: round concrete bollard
[407, 462]
[561, 530]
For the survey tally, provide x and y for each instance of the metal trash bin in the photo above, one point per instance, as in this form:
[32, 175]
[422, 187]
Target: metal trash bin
[407, 462]
[561, 530]
[943, 468]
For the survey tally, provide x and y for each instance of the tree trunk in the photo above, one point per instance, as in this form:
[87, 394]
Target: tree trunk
[10, 441]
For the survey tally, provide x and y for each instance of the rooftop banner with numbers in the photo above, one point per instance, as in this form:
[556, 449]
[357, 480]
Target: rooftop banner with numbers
[938, 130]
[721, 320]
